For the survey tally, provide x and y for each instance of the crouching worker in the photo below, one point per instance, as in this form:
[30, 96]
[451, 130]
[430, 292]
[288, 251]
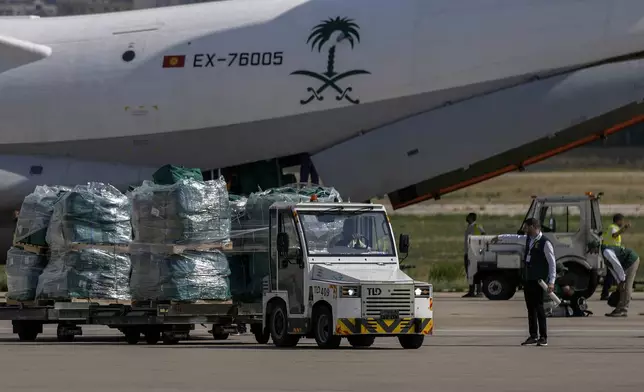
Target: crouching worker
[573, 304]
[622, 264]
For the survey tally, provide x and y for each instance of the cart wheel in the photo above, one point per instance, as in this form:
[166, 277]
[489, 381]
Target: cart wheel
[63, 337]
[170, 340]
[28, 334]
[132, 336]
[218, 333]
[152, 337]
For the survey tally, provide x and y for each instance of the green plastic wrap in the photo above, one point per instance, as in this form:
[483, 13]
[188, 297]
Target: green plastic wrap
[23, 270]
[189, 276]
[35, 214]
[250, 229]
[237, 206]
[171, 174]
[95, 213]
[188, 212]
[85, 273]
[259, 203]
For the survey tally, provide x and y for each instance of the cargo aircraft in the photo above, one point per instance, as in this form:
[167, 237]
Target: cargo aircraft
[409, 98]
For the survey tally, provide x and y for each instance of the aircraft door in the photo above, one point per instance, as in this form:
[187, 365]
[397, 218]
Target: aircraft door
[129, 49]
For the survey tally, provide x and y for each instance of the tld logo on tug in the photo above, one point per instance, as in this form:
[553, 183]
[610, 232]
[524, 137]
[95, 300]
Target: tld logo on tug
[374, 291]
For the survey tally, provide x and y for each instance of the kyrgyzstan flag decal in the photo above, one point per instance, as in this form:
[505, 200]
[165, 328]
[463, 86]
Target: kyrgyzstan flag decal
[174, 61]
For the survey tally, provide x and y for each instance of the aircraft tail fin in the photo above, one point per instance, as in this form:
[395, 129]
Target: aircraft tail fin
[16, 52]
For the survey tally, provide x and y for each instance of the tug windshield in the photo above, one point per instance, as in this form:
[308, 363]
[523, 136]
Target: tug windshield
[338, 232]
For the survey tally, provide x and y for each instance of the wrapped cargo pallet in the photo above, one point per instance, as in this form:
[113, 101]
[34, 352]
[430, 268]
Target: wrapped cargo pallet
[87, 234]
[95, 213]
[23, 270]
[35, 214]
[173, 227]
[86, 273]
[188, 276]
[187, 212]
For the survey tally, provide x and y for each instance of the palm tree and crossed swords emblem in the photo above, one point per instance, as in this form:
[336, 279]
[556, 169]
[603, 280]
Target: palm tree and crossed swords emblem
[321, 35]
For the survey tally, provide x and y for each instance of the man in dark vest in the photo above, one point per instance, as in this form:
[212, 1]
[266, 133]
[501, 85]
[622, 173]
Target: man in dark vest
[539, 263]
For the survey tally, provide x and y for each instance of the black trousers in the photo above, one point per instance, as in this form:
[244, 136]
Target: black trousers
[536, 314]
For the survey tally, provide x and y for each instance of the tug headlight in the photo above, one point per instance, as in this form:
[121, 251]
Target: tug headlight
[350, 291]
[423, 291]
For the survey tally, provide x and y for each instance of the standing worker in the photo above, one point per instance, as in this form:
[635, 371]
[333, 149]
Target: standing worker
[473, 228]
[540, 264]
[614, 239]
[623, 264]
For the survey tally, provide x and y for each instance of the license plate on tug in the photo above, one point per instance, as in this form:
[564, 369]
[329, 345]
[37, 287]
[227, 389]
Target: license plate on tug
[389, 314]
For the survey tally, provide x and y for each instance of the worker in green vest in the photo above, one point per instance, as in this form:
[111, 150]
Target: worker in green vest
[473, 228]
[614, 238]
[623, 264]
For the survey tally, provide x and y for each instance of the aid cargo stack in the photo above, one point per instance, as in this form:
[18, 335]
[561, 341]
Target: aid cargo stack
[28, 256]
[180, 231]
[88, 235]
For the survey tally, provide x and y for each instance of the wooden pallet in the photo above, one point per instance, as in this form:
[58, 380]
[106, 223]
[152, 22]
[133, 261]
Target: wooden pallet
[37, 302]
[107, 248]
[102, 301]
[36, 249]
[173, 302]
[179, 249]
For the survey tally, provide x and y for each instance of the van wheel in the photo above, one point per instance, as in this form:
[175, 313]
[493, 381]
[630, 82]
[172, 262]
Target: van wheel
[279, 328]
[411, 342]
[497, 287]
[358, 341]
[323, 329]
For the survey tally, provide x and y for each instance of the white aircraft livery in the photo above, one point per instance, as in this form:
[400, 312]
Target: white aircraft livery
[410, 98]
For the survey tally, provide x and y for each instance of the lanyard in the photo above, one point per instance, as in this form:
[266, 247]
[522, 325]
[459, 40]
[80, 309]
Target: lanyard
[533, 242]
[530, 247]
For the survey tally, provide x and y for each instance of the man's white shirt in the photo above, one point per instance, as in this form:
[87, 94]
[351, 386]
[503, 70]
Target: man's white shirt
[616, 268]
[548, 249]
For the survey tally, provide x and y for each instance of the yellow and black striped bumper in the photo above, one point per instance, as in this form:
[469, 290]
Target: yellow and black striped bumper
[360, 326]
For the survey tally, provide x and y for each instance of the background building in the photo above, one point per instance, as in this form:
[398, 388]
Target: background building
[28, 7]
[44, 8]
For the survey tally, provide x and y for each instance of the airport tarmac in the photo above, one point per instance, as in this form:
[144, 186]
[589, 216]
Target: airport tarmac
[476, 347]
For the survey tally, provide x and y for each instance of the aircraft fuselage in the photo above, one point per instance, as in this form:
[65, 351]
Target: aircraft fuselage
[240, 78]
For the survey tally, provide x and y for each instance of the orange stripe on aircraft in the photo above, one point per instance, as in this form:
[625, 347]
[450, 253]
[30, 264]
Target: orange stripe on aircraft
[529, 161]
